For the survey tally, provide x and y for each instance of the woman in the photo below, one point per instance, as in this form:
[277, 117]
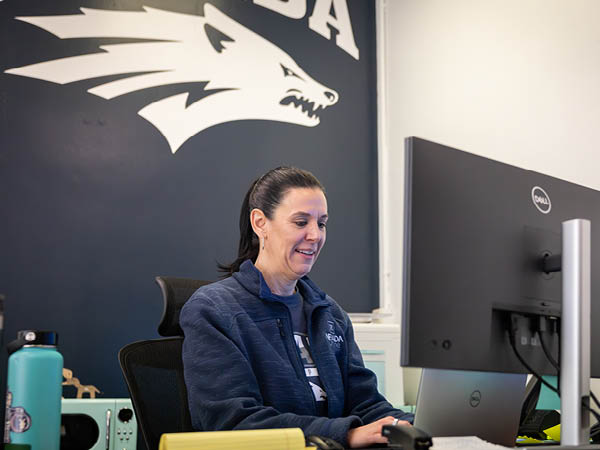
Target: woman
[265, 347]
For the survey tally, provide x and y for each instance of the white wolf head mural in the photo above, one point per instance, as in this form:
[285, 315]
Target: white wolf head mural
[253, 78]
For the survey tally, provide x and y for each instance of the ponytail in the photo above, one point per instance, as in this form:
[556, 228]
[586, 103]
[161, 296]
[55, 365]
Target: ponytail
[248, 246]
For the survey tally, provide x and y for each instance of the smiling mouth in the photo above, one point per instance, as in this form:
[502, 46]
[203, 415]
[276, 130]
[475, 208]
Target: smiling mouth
[308, 108]
[306, 252]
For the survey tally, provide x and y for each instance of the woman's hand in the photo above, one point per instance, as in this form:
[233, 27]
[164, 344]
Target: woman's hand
[371, 433]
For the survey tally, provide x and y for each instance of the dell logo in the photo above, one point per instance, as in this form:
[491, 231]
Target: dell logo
[475, 399]
[541, 200]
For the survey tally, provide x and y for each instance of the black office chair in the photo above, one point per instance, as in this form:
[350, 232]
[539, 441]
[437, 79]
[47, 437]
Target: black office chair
[153, 368]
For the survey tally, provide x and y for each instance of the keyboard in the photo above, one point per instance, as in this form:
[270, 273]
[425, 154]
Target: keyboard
[463, 443]
[451, 443]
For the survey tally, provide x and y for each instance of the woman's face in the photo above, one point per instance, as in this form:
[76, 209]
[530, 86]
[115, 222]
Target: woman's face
[296, 233]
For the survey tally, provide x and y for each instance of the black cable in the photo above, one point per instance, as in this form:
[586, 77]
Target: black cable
[512, 340]
[552, 388]
[557, 367]
[555, 364]
[558, 337]
[595, 399]
[528, 367]
[593, 411]
[548, 354]
[512, 333]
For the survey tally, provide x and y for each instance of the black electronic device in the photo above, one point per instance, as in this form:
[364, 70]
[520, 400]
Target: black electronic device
[595, 433]
[534, 421]
[482, 243]
[323, 443]
[537, 422]
[406, 437]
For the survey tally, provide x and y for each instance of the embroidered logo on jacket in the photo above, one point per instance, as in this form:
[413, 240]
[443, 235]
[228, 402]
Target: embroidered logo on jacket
[332, 337]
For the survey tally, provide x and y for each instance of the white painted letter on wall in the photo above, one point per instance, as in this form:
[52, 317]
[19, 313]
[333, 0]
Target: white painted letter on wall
[321, 18]
[295, 9]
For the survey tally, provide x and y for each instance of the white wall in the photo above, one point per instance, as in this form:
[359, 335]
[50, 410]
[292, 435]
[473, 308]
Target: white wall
[513, 80]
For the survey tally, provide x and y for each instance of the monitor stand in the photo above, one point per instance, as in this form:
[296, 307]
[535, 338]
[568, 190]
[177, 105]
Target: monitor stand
[575, 338]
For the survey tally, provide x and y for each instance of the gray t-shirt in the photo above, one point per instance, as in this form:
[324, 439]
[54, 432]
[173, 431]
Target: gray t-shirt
[295, 305]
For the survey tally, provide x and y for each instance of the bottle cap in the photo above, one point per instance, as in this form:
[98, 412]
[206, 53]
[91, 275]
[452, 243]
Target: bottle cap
[36, 337]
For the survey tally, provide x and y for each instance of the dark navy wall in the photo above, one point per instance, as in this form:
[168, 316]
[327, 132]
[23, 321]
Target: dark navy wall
[95, 204]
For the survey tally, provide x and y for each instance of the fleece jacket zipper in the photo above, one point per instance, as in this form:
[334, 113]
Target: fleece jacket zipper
[298, 360]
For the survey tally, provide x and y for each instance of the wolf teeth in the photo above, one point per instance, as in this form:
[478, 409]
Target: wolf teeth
[306, 106]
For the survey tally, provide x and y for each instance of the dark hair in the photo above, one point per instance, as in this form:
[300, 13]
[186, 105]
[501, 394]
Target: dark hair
[265, 193]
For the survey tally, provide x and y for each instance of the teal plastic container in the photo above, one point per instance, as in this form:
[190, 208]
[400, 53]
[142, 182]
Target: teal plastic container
[33, 391]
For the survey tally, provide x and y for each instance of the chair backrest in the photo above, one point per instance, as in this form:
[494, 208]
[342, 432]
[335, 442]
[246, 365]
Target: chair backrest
[176, 291]
[153, 369]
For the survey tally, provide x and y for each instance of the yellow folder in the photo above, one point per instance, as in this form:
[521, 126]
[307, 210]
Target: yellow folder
[272, 439]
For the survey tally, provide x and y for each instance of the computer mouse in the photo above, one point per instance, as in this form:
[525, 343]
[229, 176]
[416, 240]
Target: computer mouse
[323, 443]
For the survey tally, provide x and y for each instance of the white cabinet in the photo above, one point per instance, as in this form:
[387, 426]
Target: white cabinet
[380, 348]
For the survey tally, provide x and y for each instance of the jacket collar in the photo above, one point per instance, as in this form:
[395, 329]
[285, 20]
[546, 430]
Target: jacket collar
[253, 281]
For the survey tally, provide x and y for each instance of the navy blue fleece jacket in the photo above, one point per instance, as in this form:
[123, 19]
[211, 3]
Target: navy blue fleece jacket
[243, 370]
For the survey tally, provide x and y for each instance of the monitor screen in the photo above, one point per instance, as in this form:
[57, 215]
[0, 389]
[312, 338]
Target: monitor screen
[477, 233]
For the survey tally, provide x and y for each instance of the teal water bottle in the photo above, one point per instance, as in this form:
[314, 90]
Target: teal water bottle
[33, 391]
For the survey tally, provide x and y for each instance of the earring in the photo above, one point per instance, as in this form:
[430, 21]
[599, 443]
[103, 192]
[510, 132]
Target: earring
[263, 242]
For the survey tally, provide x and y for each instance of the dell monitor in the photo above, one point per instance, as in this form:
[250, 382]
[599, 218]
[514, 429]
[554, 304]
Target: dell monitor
[500, 265]
[481, 238]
